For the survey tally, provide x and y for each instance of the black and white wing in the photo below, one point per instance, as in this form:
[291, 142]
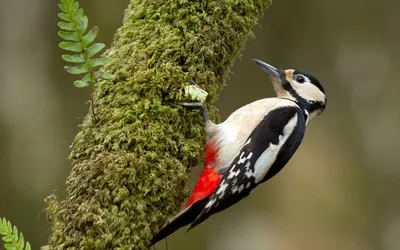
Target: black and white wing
[268, 148]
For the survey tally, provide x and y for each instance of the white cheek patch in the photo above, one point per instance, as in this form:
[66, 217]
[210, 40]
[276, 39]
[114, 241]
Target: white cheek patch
[309, 91]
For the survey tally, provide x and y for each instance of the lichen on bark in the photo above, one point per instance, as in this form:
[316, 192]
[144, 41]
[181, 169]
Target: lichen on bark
[129, 168]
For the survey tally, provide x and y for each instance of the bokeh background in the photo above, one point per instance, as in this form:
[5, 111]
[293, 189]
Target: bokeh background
[339, 191]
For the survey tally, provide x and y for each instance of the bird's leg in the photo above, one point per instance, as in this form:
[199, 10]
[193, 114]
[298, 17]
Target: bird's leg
[166, 243]
[198, 105]
[193, 83]
[195, 93]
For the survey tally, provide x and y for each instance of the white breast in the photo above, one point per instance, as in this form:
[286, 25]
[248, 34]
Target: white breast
[231, 135]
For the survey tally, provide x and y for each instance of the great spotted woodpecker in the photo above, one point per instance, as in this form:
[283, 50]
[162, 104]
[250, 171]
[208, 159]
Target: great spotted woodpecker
[251, 146]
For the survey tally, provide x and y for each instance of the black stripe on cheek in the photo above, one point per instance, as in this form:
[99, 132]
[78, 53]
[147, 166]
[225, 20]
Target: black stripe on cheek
[303, 103]
[313, 106]
[300, 100]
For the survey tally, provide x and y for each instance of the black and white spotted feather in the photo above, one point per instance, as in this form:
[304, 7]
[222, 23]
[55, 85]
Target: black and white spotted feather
[268, 148]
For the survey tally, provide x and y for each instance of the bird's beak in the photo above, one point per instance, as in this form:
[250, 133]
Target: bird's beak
[273, 73]
[278, 76]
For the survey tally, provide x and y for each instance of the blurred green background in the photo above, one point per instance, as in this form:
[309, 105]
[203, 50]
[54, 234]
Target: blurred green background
[339, 191]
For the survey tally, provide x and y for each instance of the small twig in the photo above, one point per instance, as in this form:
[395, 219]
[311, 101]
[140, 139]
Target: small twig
[92, 100]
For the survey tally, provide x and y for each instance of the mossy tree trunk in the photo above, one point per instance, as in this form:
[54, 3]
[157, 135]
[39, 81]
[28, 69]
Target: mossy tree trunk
[129, 169]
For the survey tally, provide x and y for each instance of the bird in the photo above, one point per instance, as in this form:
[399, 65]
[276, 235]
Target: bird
[251, 146]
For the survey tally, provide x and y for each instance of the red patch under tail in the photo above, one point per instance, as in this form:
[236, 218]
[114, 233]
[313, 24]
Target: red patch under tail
[209, 178]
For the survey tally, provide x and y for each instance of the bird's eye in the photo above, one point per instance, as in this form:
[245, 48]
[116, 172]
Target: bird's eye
[299, 78]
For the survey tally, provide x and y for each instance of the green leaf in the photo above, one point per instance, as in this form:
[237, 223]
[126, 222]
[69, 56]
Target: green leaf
[64, 17]
[196, 93]
[78, 15]
[84, 82]
[10, 247]
[15, 234]
[69, 36]
[81, 84]
[83, 24]
[76, 70]
[86, 78]
[21, 242]
[99, 62]
[70, 46]
[73, 9]
[63, 7]
[104, 75]
[80, 58]
[94, 49]
[66, 26]
[28, 246]
[8, 238]
[90, 36]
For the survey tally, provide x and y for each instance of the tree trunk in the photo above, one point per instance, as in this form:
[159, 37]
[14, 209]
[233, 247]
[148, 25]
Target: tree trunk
[129, 169]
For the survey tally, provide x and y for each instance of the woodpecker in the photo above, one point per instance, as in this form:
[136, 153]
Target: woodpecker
[251, 146]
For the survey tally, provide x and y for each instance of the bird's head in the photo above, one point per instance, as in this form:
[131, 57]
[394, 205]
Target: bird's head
[298, 86]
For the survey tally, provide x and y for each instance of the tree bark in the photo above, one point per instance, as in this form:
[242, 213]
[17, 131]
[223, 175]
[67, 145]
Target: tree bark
[129, 169]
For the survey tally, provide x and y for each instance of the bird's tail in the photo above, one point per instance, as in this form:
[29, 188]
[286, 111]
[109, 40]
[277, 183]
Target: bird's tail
[184, 218]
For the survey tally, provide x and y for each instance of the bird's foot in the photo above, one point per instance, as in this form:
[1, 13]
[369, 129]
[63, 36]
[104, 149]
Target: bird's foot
[197, 105]
[195, 93]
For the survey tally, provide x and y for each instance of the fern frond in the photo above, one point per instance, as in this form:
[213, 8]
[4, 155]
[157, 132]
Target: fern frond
[12, 240]
[73, 26]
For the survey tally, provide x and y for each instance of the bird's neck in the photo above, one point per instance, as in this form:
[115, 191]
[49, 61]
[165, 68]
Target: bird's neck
[304, 106]
[310, 109]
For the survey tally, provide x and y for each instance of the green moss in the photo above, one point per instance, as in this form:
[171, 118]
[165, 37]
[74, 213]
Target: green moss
[129, 170]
